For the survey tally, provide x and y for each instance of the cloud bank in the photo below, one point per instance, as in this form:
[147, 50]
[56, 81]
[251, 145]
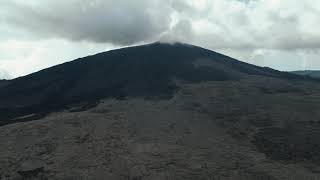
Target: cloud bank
[281, 34]
[118, 22]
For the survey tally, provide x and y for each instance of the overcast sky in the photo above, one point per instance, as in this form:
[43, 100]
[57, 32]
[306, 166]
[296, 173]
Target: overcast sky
[35, 34]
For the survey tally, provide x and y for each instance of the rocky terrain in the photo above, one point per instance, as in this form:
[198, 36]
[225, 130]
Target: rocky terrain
[160, 112]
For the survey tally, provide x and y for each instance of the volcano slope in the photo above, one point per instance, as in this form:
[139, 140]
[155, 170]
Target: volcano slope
[160, 111]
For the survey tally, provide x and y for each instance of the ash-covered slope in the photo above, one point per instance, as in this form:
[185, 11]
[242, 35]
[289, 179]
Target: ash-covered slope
[257, 128]
[150, 71]
[160, 111]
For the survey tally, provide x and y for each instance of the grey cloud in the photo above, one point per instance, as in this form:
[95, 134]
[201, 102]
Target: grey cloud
[124, 22]
[119, 22]
[180, 6]
[180, 32]
[239, 30]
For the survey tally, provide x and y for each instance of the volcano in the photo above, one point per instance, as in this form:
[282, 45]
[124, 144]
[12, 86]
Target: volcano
[160, 111]
[151, 71]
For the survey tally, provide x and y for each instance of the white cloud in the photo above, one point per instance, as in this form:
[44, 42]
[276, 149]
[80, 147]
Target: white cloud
[283, 32]
[24, 57]
[4, 74]
[268, 24]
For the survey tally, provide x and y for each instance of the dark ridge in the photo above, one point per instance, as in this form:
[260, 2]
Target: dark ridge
[147, 71]
[308, 73]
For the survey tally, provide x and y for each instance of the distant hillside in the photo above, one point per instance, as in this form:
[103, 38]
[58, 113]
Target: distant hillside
[314, 74]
